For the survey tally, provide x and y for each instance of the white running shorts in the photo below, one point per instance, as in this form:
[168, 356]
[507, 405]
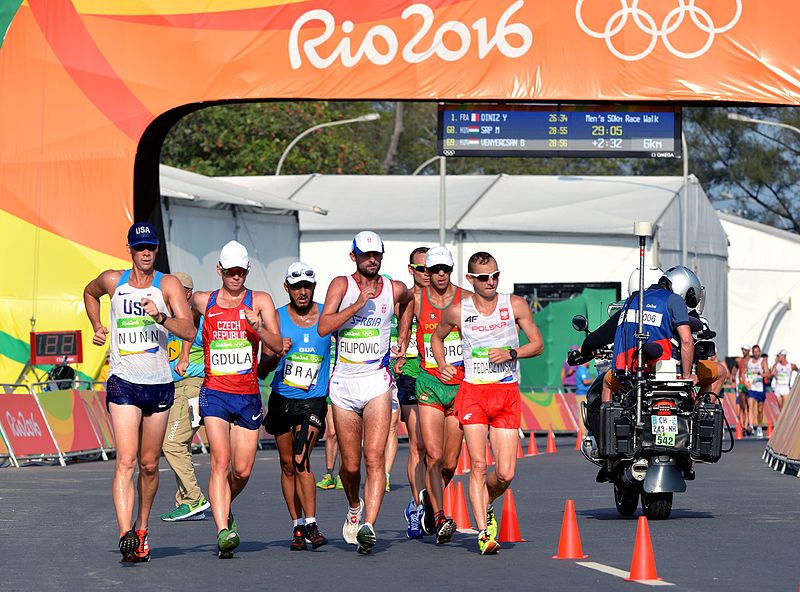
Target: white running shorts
[354, 392]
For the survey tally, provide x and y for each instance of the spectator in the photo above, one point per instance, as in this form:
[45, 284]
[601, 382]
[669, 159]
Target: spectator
[583, 379]
[568, 379]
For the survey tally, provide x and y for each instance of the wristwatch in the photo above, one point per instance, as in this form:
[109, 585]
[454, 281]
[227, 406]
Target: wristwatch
[513, 353]
[162, 318]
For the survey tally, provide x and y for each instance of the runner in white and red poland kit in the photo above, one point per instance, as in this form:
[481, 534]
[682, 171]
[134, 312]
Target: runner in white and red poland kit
[146, 306]
[489, 396]
[236, 321]
[359, 309]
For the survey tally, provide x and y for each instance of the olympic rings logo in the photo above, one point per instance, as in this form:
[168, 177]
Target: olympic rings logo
[646, 23]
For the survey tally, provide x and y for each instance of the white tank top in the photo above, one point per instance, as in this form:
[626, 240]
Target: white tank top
[783, 374]
[753, 375]
[362, 343]
[138, 345]
[480, 333]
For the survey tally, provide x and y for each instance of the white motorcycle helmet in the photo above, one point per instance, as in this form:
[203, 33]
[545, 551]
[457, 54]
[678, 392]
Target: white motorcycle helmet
[651, 276]
[683, 282]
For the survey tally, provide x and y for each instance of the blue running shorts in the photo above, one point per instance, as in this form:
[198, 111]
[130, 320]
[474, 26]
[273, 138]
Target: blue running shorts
[150, 398]
[241, 410]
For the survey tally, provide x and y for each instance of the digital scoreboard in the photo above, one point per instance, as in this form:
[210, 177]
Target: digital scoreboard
[56, 347]
[605, 131]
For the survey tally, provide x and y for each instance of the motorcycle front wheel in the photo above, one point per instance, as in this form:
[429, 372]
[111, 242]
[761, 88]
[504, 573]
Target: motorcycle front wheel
[656, 506]
[626, 498]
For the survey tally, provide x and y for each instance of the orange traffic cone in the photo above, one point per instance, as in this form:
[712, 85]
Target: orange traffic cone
[551, 442]
[643, 563]
[460, 511]
[569, 546]
[769, 429]
[520, 453]
[489, 457]
[463, 460]
[578, 440]
[447, 502]
[509, 525]
[739, 433]
[533, 449]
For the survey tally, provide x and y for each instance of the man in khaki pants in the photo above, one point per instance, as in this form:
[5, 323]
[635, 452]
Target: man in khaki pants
[187, 363]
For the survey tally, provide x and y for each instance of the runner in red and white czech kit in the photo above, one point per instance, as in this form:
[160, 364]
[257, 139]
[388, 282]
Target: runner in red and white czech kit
[236, 321]
[489, 396]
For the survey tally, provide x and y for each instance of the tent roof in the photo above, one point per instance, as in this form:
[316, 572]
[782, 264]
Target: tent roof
[503, 203]
[181, 184]
[777, 232]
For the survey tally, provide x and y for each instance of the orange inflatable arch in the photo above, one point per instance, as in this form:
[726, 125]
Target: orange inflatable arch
[89, 88]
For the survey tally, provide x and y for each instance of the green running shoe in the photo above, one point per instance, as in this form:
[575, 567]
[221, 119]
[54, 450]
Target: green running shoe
[227, 541]
[339, 482]
[486, 544]
[366, 539]
[491, 522]
[194, 511]
[326, 482]
[232, 526]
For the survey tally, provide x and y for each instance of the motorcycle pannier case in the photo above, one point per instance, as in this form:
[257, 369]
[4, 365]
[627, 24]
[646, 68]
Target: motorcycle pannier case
[616, 432]
[707, 432]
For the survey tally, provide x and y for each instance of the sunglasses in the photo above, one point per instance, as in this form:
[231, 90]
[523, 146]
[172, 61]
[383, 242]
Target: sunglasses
[307, 273]
[440, 269]
[234, 271]
[485, 277]
[417, 267]
[144, 247]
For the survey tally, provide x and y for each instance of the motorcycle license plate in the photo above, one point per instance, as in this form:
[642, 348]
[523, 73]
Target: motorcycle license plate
[665, 428]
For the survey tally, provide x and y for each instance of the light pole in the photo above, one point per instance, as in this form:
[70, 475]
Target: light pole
[745, 119]
[360, 118]
[442, 194]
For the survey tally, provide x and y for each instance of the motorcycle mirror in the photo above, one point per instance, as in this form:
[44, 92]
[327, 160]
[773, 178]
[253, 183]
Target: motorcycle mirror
[579, 323]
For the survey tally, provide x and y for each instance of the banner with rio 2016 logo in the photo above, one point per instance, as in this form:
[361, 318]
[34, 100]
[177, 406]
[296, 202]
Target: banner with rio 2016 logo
[25, 426]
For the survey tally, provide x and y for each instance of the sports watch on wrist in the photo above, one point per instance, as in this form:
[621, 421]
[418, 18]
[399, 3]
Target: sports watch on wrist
[513, 353]
[162, 318]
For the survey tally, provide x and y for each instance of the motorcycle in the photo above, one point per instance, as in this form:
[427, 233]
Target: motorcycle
[648, 438]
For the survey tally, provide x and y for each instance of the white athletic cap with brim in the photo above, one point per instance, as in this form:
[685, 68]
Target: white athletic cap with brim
[233, 254]
[747, 347]
[185, 279]
[367, 241]
[782, 352]
[439, 256]
[300, 272]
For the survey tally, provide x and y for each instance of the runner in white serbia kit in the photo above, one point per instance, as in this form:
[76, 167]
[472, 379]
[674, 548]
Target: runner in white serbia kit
[359, 309]
[146, 306]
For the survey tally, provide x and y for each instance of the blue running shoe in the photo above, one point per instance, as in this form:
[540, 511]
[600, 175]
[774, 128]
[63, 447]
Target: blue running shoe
[412, 519]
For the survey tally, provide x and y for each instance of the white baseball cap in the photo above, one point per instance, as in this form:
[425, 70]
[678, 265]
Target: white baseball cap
[747, 347]
[367, 241]
[300, 272]
[782, 352]
[439, 256]
[233, 254]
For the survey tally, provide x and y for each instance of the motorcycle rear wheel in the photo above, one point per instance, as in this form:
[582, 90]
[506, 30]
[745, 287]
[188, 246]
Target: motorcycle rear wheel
[657, 506]
[626, 499]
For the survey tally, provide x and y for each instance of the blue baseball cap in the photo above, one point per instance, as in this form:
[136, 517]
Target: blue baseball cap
[142, 233]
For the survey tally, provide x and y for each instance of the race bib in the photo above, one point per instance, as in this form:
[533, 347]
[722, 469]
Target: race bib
[782, 379]
[194, 412]
[137, 335]
[360, 345]
[300, 370]
[411, 350]
[230, 356]
[486, 372]
[453, 351]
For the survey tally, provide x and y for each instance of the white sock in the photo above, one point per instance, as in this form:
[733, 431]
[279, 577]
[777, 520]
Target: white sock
[310, 519]
[298, 522]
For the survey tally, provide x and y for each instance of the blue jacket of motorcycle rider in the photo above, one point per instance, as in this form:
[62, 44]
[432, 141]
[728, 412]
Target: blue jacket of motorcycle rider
[664, 312]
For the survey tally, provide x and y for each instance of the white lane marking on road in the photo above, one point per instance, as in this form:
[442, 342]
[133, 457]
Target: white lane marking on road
[467, 531]
[620, 573]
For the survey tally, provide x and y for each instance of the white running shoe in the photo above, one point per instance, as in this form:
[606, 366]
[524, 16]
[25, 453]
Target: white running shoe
[352, 523]
[760, 433]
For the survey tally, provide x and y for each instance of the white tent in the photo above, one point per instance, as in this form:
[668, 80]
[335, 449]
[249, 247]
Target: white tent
[541, 229]
[764, 287]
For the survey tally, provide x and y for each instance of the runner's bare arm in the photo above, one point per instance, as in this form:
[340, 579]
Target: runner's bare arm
[180, 323]
[450, 318]
[265, 321]
[92, 293]
[526, 324]
[269, 360]
[405, 299]
[331, 318]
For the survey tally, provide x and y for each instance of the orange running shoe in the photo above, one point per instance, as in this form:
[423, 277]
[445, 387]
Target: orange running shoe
[142, 554]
